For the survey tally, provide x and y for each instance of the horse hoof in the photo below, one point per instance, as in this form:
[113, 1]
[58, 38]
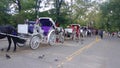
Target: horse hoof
[2, 49]
[8, 56]
[7, 50]
[14, 50]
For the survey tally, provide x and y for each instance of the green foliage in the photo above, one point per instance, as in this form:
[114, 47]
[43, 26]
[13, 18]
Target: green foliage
[4, 16]
[21, 17]
[28, 4]
[107, 17]
[111, 15]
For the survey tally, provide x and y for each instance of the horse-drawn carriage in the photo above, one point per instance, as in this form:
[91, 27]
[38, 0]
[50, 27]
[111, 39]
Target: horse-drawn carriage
[73, 31]
[42, 31]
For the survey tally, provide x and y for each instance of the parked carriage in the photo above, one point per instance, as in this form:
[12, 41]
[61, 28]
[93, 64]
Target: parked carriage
[73, 31]
[42, 31]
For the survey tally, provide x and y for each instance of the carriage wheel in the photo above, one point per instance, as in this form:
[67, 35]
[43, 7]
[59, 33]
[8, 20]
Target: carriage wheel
[62, 38]
[20, 45]
[79, 36]
[35, 42]
[52, 38]
[74, 36]
[20, 42]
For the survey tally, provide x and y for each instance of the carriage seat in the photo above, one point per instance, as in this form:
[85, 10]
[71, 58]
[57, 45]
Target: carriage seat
[31, 26]
[45, 30]
[30, 29]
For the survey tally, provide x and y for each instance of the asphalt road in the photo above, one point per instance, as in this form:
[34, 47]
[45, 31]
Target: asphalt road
[93, 52]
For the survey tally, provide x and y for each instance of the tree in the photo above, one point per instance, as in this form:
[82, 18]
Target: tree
[4, 16]
[18, 4]
[111, 15]
[80, 11]
[57, 5]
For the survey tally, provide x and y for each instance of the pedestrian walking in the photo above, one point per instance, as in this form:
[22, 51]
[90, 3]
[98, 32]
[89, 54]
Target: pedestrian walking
[101, 33]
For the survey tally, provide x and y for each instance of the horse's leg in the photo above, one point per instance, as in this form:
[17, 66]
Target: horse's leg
[15, 42]
[9, 41]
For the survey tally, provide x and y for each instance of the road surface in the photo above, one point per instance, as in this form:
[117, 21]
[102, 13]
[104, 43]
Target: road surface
[93, 52]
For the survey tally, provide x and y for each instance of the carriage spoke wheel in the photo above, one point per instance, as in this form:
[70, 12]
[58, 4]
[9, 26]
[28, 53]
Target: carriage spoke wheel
[35, 42]
[20, 45]
[74, 37]
[61, 38]
[52, 39]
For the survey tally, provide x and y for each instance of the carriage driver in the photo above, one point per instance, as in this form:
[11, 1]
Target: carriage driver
[37, 28]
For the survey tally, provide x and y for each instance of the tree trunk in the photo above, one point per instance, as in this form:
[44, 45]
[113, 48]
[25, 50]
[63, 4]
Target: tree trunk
[18, 2]
[19, 5]
[58, 6]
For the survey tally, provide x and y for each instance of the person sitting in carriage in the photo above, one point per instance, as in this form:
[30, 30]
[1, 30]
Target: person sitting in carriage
[57, 24]
[37, 28]
[58, 29]
[26, 21]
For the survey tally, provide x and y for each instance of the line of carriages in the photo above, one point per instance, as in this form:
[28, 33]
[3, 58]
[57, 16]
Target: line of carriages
[44, 30]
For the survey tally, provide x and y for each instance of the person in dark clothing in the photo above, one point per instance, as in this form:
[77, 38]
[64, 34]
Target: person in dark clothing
[101, 33]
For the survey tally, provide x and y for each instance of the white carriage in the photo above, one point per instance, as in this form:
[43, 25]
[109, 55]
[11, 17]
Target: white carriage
[73, 31]
[43, 31]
